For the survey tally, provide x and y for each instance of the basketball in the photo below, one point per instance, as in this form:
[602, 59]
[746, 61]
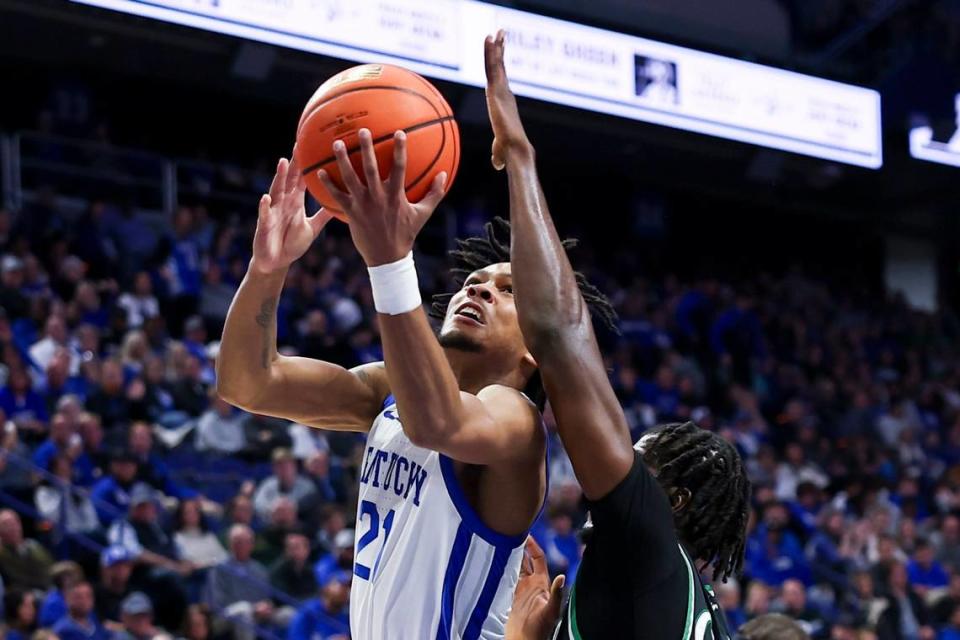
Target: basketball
[383, 99]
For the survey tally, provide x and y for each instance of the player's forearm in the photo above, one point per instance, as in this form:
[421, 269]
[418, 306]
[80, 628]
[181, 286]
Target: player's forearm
[249, 345]
[421, 380]
[549, 303]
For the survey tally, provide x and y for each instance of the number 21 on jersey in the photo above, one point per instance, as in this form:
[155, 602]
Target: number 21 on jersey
[369, 510]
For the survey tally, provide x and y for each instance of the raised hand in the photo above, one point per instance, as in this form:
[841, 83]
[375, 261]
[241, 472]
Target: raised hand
[284, 231]
[536, 602]
[508, 133]
[383, 223]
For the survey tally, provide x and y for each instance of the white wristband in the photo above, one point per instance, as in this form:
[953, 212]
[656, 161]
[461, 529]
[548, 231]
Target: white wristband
[395, 287]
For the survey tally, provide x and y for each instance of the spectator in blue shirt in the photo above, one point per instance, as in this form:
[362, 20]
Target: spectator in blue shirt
[774, 553]
[662, 393]
[20, 613]
[21, 403]
[561, 545]
[326, 616]
[151, 467]
[58, 382]
[340, 559]
[924, 571]
[952, 630]
[829, 554]
[111, 495]
[61, 441]
[80, 623]
[182, 269]
[110, 399]
[64, 574]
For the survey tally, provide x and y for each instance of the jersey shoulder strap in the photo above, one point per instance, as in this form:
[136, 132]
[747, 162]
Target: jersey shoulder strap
[709, 621]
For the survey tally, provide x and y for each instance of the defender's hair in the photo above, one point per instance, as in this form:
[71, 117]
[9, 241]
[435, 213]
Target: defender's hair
[714, 524]
[493, 247]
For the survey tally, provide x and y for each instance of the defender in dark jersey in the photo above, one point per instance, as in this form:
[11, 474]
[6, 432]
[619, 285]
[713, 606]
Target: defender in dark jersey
[662, 512]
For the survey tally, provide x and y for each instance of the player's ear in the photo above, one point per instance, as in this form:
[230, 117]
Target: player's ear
[679, 498]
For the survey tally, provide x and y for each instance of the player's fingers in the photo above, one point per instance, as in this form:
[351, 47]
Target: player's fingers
[371, 169]
[263, 209]
[435, 195]
[293, 172]
[556, 595]
[537, 557]
[276, 187]
[398, 174]
[347, 174]
[319, 220]
[340, 197]
[492, 59]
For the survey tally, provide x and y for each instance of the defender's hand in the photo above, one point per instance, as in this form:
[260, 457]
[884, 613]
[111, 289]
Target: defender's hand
[508, 134]
[383, 223]
[536, 602]
[284, 232]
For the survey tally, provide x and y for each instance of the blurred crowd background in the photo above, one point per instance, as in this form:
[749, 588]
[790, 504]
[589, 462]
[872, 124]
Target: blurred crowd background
[117, 452]
[750, 288]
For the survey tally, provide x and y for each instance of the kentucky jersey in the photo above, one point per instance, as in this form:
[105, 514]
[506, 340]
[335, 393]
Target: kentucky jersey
[425, 566]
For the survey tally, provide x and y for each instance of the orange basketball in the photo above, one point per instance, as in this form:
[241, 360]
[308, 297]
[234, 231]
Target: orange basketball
[383, 99]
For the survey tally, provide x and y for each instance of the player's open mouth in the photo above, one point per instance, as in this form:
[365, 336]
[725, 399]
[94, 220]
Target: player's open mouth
[470, 311]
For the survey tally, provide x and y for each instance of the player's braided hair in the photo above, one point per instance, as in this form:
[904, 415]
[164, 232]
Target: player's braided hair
[714, 524]
[494, 247]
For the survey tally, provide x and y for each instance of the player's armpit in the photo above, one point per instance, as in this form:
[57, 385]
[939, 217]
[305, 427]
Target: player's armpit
[321, 394]
[587, 413]
[499, 425]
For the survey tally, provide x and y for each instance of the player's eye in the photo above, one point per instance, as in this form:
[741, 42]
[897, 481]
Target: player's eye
[471, 282]
[507, 288]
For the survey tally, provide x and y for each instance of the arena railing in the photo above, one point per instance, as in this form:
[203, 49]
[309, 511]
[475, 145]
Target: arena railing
[31, 512]
[82, 170]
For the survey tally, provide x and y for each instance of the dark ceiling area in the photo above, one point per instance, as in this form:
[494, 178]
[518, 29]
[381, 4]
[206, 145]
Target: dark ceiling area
[183, 91]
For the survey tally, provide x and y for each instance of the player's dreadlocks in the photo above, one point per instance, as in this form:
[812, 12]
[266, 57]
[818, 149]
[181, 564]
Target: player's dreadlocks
[494, 247]
[714, 524]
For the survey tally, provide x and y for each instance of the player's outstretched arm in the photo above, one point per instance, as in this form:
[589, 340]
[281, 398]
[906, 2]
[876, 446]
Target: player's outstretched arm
[495, 424]
[250, 372]
[553, 315]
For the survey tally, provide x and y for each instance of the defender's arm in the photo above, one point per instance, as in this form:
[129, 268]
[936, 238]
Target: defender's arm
[553, 315]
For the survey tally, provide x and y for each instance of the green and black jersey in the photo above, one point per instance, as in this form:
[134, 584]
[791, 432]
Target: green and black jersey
[636, 581]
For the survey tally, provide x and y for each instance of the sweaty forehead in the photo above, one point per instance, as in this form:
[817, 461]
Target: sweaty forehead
[499, 269]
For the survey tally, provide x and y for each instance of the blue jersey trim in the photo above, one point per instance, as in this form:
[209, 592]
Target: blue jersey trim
[389, 400]
[458, 558]
[469, 517]
[480, 612]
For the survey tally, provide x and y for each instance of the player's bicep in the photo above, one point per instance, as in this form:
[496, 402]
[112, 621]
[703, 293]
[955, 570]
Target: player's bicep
[323, 394]
[588, 414]
[499, 425]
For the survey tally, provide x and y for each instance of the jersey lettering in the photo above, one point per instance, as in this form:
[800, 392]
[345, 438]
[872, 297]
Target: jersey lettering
[400, 474]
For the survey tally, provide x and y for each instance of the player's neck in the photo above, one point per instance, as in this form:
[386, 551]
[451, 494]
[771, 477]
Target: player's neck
[474, 372]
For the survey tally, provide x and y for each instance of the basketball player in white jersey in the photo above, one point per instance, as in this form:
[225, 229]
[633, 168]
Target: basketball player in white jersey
[454, 468]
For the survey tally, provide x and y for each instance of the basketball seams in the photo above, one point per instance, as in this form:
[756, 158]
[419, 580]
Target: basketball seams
[415, 127]
[304, 116]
